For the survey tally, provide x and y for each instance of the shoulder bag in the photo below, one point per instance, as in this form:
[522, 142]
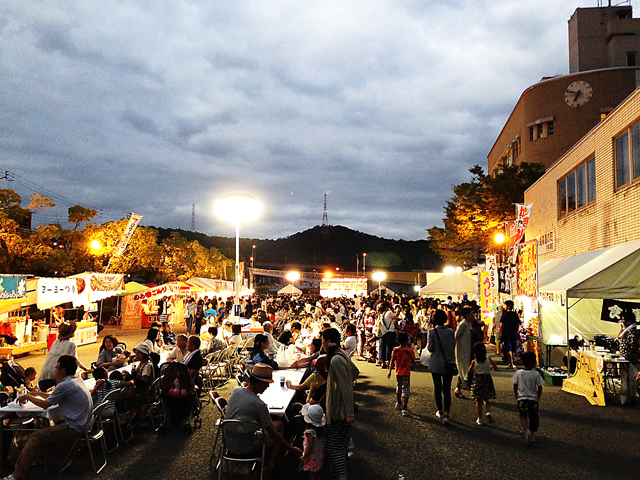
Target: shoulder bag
[450, 368]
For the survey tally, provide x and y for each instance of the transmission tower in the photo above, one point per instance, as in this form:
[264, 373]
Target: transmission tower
[193, 217]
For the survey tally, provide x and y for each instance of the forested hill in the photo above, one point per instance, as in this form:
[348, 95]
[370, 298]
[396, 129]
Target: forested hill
[319, 248]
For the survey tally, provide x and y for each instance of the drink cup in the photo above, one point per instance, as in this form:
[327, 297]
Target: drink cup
[282, 380]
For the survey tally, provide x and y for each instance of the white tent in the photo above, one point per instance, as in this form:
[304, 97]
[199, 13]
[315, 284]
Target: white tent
[289, 290]
[451, 284]
[578, 283]
[385, 291]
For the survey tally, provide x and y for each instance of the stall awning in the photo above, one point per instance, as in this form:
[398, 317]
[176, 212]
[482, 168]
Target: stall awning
[94, 287]
[211, 284]
[133, 287]
[612, 272]
[168, 289]
[451, 284]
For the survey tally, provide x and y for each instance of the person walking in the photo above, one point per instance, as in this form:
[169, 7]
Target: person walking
[483, 389]
[191, 309]
[463, 352]
[339, 402]
[441, 342]
[510, 322]
[388, 340]
[402, 357]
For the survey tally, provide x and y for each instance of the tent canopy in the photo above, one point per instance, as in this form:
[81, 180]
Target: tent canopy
[451, 284]
[133, 287]
[385, 291]
[211, 285]
[289, 290]
[612, 272]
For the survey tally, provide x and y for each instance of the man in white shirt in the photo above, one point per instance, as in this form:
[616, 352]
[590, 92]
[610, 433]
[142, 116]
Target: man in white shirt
[351, 341]
[180, 350]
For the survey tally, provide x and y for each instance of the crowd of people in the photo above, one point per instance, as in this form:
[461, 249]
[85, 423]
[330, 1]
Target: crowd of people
[327, 335]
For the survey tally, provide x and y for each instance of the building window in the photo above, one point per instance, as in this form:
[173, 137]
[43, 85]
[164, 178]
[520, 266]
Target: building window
[631, 59]
[577, 188]
[628, 156]
[541, 128]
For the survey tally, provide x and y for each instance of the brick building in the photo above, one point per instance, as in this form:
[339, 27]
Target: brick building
[552, 115]
[590, 197]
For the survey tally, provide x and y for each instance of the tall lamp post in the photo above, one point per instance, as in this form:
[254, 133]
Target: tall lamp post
[364, 264]
[238, 208]
[292, 277]
[379, 277]
[253, 254]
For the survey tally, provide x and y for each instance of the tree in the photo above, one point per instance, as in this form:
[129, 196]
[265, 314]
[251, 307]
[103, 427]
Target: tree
[79, 214]
[39, 203]
[478, 209]
[10, 205]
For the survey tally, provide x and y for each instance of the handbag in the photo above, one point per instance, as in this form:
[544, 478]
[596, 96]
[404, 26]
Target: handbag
[450, 368]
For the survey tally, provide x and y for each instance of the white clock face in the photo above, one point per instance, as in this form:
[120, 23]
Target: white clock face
[578, 93]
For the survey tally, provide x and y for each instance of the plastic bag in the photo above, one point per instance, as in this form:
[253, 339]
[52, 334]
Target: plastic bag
[425, 357]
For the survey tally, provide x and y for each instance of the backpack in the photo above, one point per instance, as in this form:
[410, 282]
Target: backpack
[379, 328]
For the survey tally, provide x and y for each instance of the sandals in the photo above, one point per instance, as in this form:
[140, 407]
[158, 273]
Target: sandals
[459, 395]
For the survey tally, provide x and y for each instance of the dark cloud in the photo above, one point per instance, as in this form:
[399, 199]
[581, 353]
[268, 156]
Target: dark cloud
[384, 104]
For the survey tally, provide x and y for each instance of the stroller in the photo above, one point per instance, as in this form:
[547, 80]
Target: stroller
[12, 374]
[180, 396]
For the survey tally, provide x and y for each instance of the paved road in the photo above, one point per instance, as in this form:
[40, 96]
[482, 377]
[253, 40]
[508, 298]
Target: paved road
[576, 440]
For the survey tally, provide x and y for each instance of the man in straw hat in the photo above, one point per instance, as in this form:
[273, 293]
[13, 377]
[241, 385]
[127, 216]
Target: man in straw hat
[62, 346]
[245, 405]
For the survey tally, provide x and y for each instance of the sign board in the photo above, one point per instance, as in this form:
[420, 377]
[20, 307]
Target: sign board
[547, 242]
[492, 269]
[57, 291]
[343, 287]
[528, 270]
[611, 310]
[13, 287]
[485, 296]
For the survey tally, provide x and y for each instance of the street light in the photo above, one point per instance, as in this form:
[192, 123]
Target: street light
[253, 254]
[379, 277]
[364, 264]
[292, 277]
[95, 245]
[238, 208]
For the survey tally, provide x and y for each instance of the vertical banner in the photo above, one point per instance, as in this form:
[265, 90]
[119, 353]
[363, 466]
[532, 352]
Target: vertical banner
[492, 268]
[504, 279]
[127, 234]
[528, 270]
[485, 296]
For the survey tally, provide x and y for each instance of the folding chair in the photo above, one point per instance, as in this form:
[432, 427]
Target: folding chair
[110, 416]
[92, 433]
[221, 404]
[239, 430]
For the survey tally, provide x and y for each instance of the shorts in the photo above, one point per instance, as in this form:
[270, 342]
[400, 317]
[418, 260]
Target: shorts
[529, 409]
[509, 344]
[404, 385]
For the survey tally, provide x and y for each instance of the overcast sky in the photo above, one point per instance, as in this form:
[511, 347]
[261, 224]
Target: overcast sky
[152, 106]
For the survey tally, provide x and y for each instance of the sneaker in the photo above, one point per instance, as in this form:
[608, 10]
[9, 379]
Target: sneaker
[529, 437]
[405, 412]
[10, 477]
[398, 407]
[479, 422]
[490, 418]
[445, 420]
[438, 415]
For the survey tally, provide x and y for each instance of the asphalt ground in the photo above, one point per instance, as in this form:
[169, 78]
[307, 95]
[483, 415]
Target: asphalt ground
[576, 440]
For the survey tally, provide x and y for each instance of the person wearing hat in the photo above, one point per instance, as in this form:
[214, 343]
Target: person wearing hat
[62, 346]
[144, 374]
[313, 440]
[245, 405]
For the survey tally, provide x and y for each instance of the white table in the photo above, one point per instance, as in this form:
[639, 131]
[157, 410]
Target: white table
[278, 398]
[29, 409]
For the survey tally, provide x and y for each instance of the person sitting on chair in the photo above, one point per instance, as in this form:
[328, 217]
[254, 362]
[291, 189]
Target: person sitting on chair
[74, 400]
[180, 350]
[245, 405]
[167, 335]
[193, 358]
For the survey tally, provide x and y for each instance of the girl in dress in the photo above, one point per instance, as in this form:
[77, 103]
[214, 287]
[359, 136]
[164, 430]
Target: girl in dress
[312, 458]
[483, 389]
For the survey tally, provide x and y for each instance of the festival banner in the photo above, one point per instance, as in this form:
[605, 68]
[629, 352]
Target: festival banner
[504, 280]
[611, 310]
[127, 234]
[13, 287]
[343, 287]
[56, 291]
[492, 267]
[528, 270]
[486, 311]
[523, 212]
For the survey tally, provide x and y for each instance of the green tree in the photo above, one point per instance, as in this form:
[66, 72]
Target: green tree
[79, 214]
[478, 209]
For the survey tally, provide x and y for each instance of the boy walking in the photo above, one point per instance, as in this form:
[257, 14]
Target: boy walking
[527, 387]
[402, 357]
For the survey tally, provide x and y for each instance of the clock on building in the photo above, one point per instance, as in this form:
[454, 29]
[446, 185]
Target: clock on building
[578, 93]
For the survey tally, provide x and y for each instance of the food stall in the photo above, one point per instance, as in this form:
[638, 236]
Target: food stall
[139, 309]
[578, 295]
